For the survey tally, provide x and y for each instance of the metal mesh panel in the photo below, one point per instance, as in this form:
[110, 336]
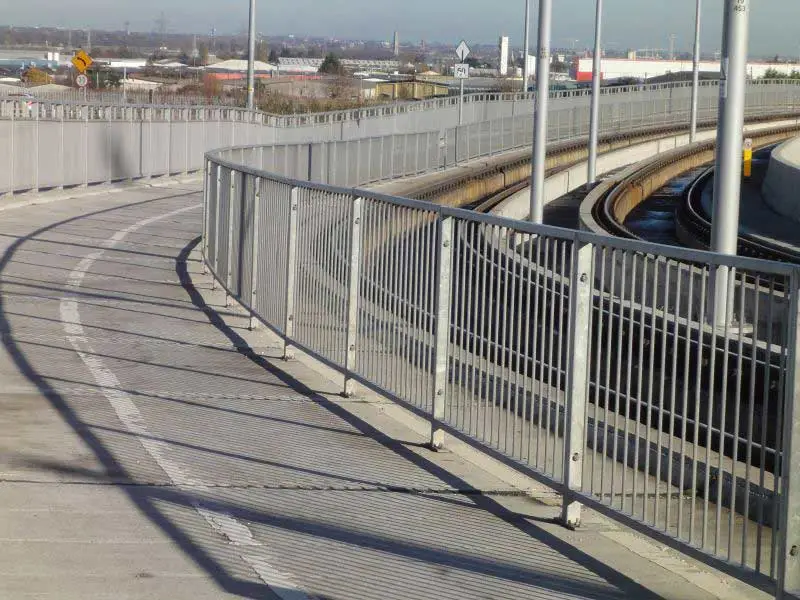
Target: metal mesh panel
[211, 216]
[396, 295]
[509, 343]
[322, 272]
[270, 301]
[246, 234]
[222, 233]
[687, 396]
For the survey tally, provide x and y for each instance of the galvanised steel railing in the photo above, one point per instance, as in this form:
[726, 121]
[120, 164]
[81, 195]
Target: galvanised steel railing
[46, 145]
[586, 360]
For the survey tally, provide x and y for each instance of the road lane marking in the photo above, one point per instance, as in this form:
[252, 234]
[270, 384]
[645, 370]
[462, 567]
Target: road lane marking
[233, 531]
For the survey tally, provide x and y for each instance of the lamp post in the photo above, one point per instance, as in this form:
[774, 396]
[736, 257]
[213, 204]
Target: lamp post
[540, 117]
[695, 73]
[526, 74]
[728, 171]
[594, 119]
[251, 57]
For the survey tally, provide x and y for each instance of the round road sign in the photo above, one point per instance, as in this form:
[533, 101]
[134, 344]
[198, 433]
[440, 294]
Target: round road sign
[82, 80]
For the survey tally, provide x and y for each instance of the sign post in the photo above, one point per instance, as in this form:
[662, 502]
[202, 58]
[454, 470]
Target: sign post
[82, 61]
[461, 72]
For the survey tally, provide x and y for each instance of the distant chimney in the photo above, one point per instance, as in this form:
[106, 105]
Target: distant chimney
[396, 44]
[504, 55]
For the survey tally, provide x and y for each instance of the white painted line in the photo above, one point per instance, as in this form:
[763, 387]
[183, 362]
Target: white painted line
[234, 532]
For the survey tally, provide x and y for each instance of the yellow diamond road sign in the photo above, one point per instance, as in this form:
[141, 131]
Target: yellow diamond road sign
[82, 61]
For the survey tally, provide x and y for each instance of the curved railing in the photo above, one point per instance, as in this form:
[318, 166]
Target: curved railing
[46, 145]
[588, 361]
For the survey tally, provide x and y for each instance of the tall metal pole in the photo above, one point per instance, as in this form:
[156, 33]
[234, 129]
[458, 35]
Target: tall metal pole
[594, 119]
[526, 73]
[251, 58]
[695, 73]
[540, 118]
[728, 179]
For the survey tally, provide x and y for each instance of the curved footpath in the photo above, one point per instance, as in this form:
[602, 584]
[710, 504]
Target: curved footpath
[152, 447]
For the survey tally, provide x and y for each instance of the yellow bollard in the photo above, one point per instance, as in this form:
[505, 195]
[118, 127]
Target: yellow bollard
[747, 169]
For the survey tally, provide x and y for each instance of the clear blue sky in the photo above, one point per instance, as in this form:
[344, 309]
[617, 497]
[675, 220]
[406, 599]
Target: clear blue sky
[775, 24]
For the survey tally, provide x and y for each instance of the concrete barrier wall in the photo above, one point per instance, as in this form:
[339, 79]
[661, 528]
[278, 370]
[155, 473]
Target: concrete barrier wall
[518, 205]
[781, 189]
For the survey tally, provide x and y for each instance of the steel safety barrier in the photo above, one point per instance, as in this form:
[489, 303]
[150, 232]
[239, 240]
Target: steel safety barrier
[596, 363]
[47, 144]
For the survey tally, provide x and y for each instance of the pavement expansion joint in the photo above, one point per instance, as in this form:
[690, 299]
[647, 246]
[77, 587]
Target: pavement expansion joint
[280, 487]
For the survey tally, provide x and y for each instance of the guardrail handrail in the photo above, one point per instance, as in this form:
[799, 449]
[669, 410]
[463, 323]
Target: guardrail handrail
[308, 119]
[454, 313]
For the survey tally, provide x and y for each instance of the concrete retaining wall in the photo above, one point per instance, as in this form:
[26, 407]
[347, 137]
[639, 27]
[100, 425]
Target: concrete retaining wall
[781, 189]
[518, 205]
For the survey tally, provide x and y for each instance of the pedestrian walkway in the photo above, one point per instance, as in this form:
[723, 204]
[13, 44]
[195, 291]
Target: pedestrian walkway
[153, 447]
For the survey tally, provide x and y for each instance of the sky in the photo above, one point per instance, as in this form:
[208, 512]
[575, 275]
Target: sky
[637, 24]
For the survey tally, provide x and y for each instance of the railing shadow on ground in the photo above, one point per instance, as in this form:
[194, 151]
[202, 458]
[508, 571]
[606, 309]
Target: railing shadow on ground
[152, 500]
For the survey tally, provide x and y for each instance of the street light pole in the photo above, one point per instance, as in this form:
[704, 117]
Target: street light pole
[251, 57]
[540, 117]
[695, 73]
[728, 172]
[526, 74]
[594, 126]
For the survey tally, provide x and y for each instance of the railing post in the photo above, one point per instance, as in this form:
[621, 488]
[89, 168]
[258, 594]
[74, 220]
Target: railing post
[206, 195]
[228, 278]
[86, 147]
[353, 293]
[291, 268]
[441, 345]
[580, 291]
[789, 542]
[216, 228]
[254, 254]
[12, 153]
[37, 155]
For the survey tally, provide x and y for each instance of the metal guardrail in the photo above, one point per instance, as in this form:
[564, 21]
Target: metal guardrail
[52, 144]
[58, 145]
[415, 116]
[117, 98]
[435, 104]
[47, 145]
[586, 360]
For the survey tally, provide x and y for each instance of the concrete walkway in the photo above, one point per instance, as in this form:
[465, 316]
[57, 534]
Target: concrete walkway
[152, 447]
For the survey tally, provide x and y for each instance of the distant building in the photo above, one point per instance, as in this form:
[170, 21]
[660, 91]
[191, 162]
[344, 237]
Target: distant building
[312, 65]
[396, 43]
[409, 90]
[645, 68]
[504, 55]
